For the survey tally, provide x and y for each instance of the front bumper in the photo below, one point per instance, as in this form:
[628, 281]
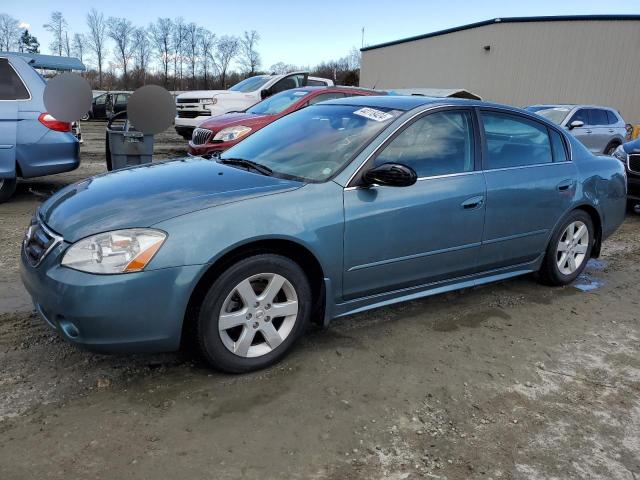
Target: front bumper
[210, 148]
[633, 186]
[184, 131]
[136, 312]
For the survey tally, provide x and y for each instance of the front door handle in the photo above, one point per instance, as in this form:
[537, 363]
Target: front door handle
[565, 185]
[588, 131]
[473, 203]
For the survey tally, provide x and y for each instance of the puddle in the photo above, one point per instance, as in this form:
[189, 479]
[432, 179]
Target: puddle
[586, 282]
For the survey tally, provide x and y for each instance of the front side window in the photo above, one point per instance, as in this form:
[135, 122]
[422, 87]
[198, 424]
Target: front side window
[440, 143]
[278, 103]
[323, 97]
[250, 84]
[555, 114]
[598, 117]
[314, 143]
[101, 100]
[288, 82]
[11, 86]
[580, 116]
[514, 141]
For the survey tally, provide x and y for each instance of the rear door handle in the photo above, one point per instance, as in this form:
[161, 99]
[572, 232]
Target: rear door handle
[473, 203]
[610, 131]
[588, 131]
[565, 185]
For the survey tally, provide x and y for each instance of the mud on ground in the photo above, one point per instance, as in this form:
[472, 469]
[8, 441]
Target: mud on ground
[508, 381]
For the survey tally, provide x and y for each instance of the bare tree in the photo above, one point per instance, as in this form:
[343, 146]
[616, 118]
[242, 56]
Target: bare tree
[178, 40]
[57, 27]
[207, 42]
[97, 38]
[161, 38]
[9, 32]
[249, 56]
[281, 68]
[121, 32]
[141, 52]
[192, 48]
[67, 44]
[226, 50]
[77, 45]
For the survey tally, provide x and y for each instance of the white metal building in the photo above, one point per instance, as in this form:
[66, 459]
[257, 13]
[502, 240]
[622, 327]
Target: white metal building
[520, 61]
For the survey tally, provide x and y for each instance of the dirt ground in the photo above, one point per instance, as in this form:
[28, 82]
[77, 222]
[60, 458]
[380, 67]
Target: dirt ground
[508, 381]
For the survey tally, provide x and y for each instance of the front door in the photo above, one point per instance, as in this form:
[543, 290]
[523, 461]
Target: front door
[584, 134]
[530, 184]
[397, 237]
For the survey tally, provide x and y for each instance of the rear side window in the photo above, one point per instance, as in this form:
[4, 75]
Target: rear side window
[598, 117]
[612, 117]
[558, 147]
[514, 141]
[324, 97]
[440, 143]
[316, 83]
[11, 86]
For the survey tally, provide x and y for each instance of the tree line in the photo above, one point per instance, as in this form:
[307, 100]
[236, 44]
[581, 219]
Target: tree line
[171, 52]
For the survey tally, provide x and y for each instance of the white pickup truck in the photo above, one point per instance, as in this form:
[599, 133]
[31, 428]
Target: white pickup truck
[196, 106]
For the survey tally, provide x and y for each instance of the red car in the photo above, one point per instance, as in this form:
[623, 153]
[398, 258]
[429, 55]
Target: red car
[217, 134]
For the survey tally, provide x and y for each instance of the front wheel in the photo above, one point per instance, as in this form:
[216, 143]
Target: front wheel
[85, 117]
[569, 250]
[7, 188]
[253, 313]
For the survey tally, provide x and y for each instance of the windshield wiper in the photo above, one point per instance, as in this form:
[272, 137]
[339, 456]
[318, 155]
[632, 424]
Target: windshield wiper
[241, 162]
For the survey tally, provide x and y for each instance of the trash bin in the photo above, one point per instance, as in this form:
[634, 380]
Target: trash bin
[124, 145]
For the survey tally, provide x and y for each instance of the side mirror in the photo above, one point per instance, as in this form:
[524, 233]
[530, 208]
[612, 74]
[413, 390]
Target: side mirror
[576, 124]
[265, 93]
[391, 175]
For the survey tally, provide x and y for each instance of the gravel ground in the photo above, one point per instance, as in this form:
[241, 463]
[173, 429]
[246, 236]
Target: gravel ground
[507, 381]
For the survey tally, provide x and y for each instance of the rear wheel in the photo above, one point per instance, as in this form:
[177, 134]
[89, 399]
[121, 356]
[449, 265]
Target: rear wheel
[85, 117]
[569, 250]
[7, 188]
[253, 313]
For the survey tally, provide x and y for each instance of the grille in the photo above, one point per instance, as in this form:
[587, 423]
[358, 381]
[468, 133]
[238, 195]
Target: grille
[192, 114]
[187, 100]
[201, 136]
[38, 242]
[634, 163]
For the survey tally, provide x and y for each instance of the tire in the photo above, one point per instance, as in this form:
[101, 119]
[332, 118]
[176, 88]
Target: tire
[250, 316]
[7, 188]
[611, 148]
[85, 117]
[551, 273]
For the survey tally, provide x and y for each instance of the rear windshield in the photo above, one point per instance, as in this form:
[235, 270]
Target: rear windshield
[555, 114]
[11, 87]
[250, 84]
[277, 103]
[315, 143]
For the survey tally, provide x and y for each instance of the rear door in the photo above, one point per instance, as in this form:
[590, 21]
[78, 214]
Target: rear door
[12, 91]
[530, 184]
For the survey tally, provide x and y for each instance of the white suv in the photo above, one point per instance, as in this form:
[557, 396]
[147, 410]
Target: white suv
[197, 106]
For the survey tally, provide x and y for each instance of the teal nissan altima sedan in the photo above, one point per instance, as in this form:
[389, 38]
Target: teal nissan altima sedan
[334, 209]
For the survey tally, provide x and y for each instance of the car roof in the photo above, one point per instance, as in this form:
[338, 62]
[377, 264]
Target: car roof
[572, 105]
[337, 88]
[409, 102]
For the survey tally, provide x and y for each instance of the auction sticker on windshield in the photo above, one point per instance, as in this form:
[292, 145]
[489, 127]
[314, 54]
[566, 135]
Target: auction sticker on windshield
[373, 114]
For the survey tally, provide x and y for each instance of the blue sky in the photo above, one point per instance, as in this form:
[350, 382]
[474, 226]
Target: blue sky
[305, 33]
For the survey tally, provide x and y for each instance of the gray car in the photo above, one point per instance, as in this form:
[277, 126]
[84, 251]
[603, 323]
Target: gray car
[600, 129]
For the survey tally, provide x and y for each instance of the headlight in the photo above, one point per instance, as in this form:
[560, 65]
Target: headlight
[620, 154]
[231, 133]
[208, 101]
[120, 251]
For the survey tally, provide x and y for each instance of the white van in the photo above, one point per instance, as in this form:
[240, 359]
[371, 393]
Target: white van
[196, 106]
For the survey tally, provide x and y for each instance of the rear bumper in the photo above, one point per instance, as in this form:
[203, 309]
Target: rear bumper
[56, 152]
[138, 312]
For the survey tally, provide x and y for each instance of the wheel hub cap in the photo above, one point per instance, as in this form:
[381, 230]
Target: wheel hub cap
[572, 247]
[258, 315]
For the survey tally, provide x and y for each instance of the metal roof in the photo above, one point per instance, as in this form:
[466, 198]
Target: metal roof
[49, 62]
[558, 18]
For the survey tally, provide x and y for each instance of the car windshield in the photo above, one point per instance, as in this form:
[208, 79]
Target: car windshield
[250, 84]
[278, 102]
[314, 143]
[555, 114]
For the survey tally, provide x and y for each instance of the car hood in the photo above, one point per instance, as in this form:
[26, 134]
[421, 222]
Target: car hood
[197, 94]
[232, 119]
[143, 196]
[633, 146]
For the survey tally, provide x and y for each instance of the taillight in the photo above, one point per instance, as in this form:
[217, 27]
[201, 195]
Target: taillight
[52, 124]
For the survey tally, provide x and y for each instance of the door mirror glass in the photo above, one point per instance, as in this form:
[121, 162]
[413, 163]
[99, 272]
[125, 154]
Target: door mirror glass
[391, 175]
[264, 93]
[576, 124]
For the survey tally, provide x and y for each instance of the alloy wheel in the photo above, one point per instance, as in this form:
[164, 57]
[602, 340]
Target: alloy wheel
[572, 247]
[258, 315]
